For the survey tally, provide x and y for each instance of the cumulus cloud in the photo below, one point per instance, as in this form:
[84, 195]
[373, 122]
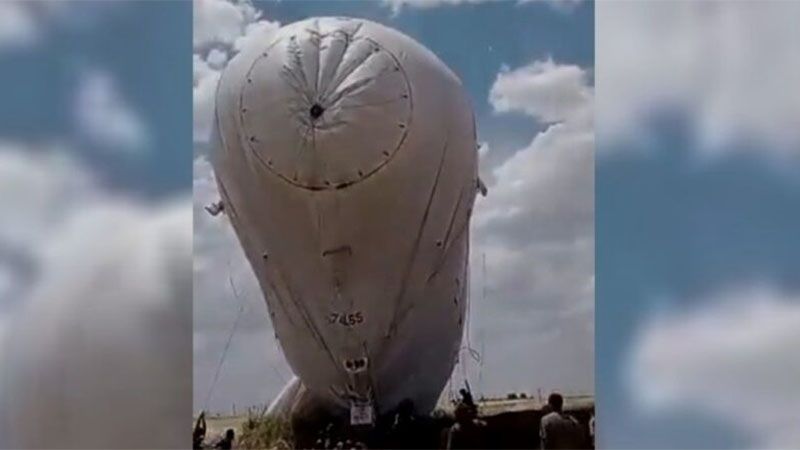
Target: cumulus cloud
[735, 357]
[547, 91]
[18, 27]
[222, 28]
[398, 5]
[105, 117]
[112, 330]
[255, 32]
[220, 21]
[102, 313]
[49, 180]
[205, 79]
[39, 185]
[24, 23]
[536, 230]
[728, 67]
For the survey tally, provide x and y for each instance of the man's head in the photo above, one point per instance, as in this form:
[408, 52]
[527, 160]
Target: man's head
[229, 434]
[556, 401]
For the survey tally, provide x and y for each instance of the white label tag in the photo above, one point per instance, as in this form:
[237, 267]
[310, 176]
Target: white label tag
[361, 413]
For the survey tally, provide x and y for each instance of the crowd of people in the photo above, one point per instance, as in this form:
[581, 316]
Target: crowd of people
[407, 430]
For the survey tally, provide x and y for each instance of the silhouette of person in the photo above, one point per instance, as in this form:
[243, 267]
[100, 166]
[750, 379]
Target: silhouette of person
[199, 433]
[558, 430]
[468, 431]
[405, 429]
[227, 442]
[466, 398]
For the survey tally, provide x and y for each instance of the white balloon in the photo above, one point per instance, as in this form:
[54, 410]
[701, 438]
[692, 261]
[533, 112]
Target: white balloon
[346, 158]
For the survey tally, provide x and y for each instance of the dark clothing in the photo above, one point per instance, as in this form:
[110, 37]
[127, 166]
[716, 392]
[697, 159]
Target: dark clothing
[466, 398]
[199, 433]
[404, 433]
[225, 444]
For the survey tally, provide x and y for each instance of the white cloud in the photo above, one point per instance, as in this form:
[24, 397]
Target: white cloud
[24, 23]
[398, 5]
[40, 186]
[562, 5]
[728, 67]
[216, 59]
[220, 21]
[105, 117]
[735, 357]
[222, 28]
[205, 80]
[110, 330]
[18, 27]
[111, 285]
[547, 91]
[255, 32]
[227, 24]
[536, 229]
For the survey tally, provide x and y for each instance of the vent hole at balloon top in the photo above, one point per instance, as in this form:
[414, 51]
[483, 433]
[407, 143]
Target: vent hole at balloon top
[316, 111]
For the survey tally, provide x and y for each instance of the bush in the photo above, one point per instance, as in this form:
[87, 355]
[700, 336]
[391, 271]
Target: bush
[260, 431]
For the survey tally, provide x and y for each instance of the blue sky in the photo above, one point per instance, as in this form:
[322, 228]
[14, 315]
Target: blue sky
[697, 194]
[82, 86]
[508, 55]
[669, 233]
[150, 72]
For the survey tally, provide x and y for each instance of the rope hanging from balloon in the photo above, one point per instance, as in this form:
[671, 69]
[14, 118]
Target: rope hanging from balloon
[227, 343]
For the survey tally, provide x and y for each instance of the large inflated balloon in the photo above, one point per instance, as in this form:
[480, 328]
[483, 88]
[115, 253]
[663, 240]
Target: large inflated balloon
[346, 160]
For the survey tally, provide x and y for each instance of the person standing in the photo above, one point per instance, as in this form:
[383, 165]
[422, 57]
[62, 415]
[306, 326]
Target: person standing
[468, 431]
[558, 430]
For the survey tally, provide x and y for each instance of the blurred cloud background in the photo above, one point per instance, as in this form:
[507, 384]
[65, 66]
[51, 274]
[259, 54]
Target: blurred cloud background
[528, 70]
[95, 235]
[697, 194]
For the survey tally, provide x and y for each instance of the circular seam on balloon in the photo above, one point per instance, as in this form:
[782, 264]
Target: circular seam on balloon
[384, 155]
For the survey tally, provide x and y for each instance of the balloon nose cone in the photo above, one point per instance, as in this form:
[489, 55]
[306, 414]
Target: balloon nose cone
[316, 111]
[325, 105]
